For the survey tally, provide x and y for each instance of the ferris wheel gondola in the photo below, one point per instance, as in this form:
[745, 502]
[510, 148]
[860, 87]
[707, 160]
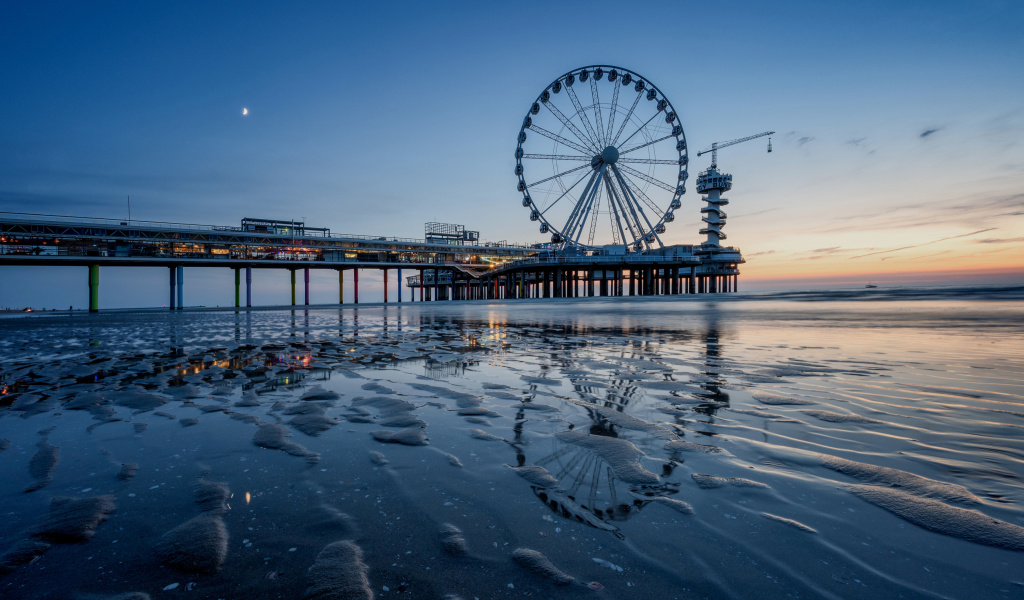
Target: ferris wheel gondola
[608, 167]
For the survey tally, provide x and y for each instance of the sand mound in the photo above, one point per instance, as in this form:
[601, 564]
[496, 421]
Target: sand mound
[462, 399]
[73, 520]
[188, 421]
[127, 471]
[676, 505]
[538, 476]
[339, 574]
[199, 545]
[939, 517]
[709, 482]
[453, 541]
[483, 435]
[408, 437]
[378, 459]
[915, 484]
[375, 387]
[43, 462]
[137, 400]
[313, 424]
[691, 447]
[778, 400]
[319, 393]
[4, 444]
[275, 437]
[538, 564]
[20, 554]
[326, 519]
[626, 421]
[790, 522]
[834, 417]
[622, 456]
[212, 497]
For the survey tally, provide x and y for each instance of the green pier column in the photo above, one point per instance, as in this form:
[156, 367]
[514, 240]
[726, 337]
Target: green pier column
[94, 288]
[293, 285]
[238, 287]
[341, 286]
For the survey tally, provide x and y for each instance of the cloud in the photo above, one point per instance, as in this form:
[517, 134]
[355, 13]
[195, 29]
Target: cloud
[952, 237]
[765, 253]
[928, 132]
[826, 250]
[1000, 240]
[856, 142]
[804, 140]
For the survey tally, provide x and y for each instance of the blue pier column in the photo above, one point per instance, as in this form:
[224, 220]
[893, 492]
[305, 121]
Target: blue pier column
[305, 276]
[174, 287]
[94, 288]
[437, 285]
[181, 287]
[248, 287]
[238, 286]
[399, 286]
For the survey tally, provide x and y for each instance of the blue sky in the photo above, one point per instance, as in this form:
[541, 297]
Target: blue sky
[375, 118]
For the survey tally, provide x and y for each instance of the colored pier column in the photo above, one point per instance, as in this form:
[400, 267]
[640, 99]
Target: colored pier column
[181, 287]
[385, 286]
[174, 288]
[248, 287]
[341, 286]
[355, 286]
[238, 286]
[94, 288]
[305, 277]
[292, 271]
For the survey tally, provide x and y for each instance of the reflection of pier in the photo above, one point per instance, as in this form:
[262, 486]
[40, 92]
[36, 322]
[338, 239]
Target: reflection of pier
[450, 263]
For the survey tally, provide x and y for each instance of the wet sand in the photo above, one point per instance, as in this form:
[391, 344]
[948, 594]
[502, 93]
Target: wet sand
[561, 449]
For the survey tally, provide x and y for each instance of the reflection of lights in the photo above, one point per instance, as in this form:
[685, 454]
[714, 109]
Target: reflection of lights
[248, 497]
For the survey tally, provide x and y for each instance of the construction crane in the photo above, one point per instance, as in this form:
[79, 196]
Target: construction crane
[715, 147]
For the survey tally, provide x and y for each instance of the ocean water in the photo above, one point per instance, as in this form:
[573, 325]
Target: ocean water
[824, 445]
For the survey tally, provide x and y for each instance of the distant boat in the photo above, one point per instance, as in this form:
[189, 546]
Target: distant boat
[870, 285]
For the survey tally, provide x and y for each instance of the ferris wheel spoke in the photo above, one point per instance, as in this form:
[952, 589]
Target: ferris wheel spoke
[593, 223]
[635, 226]
[613, 111]
[579, 134]
[639, 192]
[638, 129]
[560, 139]
[649, 179]
[628, 116]
[581, 215]
[613, 200]
[648, 161]
[584, 197]
[644, 145]
[583, 115]
[557, 175]
[629, 191]
[560, 157]
[597, 109]
[569, 189]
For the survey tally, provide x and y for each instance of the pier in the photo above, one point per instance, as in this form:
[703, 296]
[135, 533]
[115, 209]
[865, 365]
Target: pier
[449, 263]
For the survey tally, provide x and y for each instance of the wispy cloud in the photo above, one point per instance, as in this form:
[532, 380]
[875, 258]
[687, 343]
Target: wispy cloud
[952, 237]
[804, 140]
[928, 132]
[764, 253]
[1000, 240]
[856, 142]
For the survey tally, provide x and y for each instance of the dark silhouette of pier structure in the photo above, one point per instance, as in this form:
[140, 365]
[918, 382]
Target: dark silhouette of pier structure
[450, 263]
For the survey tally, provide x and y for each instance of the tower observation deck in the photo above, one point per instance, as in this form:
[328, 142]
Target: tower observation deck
[712, 183]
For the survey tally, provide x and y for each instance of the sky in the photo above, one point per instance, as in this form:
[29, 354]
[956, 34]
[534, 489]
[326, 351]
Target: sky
[898, 157]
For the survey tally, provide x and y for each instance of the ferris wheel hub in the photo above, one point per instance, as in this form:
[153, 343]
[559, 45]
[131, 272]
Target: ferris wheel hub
[610, 154]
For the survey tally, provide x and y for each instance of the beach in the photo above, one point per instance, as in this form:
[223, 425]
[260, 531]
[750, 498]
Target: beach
[825, 444]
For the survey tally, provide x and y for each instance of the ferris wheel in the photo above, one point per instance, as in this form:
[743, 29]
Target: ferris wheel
[601, 159]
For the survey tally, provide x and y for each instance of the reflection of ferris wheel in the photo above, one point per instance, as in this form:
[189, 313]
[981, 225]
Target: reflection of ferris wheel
[602, 160]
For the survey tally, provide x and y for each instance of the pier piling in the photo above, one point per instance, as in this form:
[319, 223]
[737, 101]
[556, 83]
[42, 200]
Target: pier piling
[94, 288]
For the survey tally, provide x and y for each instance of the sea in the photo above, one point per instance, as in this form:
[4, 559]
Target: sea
[850, 444]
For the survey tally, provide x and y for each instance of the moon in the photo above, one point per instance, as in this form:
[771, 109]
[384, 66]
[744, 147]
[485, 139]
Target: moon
[245, 111]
